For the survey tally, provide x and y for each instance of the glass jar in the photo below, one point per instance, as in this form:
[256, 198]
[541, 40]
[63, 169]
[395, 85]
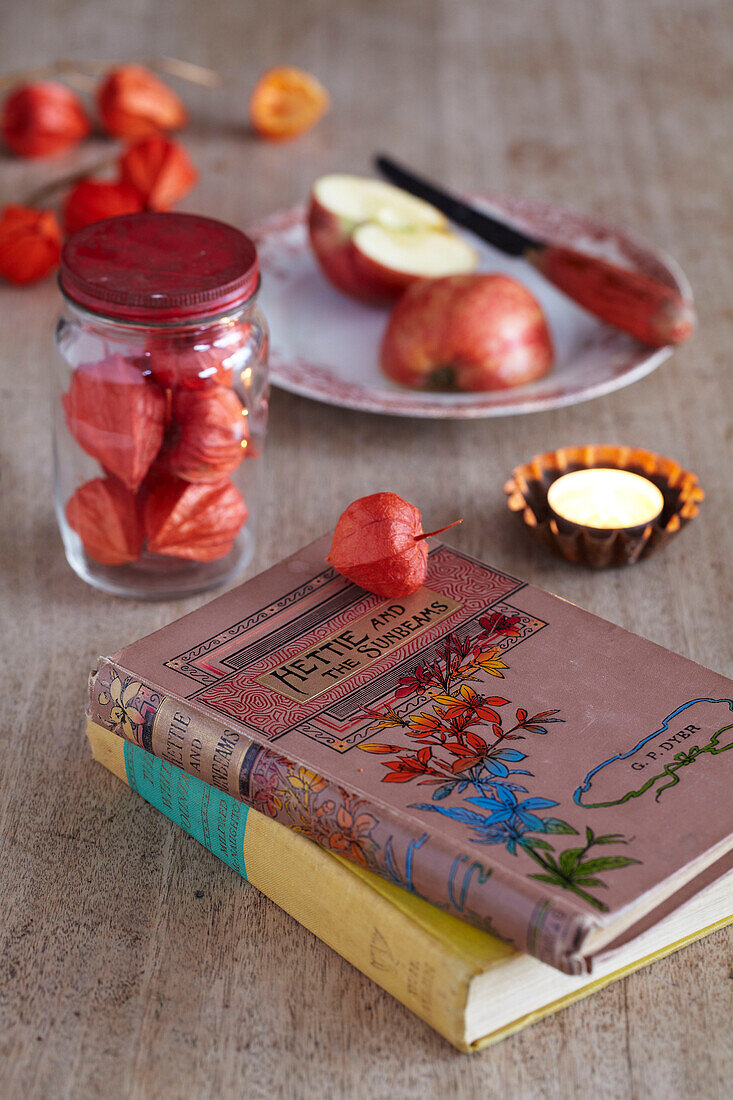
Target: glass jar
[160, 404]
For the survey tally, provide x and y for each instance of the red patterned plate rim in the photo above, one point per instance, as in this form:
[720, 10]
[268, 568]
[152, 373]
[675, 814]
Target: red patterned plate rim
[604, 359]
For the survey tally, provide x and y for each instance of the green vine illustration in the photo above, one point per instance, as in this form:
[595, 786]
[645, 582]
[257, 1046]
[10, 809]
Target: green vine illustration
[572, 870]
[672, 768]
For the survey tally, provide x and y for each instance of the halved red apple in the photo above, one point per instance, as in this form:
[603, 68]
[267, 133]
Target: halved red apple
[372, 240]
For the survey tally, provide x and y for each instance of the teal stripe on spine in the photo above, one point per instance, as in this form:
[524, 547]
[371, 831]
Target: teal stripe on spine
[215, 819]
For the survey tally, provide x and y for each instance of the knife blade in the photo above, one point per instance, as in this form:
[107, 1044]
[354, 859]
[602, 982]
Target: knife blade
[504, 237]
[651, 311]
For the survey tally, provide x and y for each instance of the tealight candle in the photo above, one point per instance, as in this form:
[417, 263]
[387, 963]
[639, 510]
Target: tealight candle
[605, 499]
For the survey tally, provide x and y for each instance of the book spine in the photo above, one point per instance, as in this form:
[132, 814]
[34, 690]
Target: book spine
[225, 756]
[315, 888]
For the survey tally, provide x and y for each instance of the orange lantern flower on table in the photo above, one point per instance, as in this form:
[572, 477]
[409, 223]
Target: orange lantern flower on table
[285, 102]
[133, 102]
[43, 118]
[30, 243]
[160, 170]
[92, 200]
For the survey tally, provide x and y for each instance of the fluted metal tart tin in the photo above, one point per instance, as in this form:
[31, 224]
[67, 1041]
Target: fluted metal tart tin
[529, 484]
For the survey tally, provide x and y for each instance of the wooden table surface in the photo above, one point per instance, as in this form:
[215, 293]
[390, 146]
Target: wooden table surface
[134, 964]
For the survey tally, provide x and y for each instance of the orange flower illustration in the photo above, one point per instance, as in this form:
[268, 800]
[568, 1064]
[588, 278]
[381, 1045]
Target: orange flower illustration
[478, 707]
[352, 835]
[427, 725]
[489, 661]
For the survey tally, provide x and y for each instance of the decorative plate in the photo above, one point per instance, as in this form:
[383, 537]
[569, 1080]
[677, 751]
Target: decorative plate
[326, 346]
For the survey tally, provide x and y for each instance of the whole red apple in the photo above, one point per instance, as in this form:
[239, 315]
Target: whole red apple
[466, 332]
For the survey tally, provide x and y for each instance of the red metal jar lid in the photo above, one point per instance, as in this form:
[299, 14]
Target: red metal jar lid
[159, 268]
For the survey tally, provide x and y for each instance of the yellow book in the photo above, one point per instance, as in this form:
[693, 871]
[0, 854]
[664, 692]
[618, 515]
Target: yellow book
[471, 987]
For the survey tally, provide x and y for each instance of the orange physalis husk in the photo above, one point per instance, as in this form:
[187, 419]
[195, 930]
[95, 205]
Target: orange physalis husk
[106, 517]
[285, 102]
[379, 544]
[133, 102]
[181, 361]
[209, 431]
[30, 243]
[117, 416]
[92, 200]
[199, 522]
[43, 118]
[160, 170]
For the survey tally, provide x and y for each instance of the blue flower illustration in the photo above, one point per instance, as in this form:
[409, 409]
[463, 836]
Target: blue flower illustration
[509, 819]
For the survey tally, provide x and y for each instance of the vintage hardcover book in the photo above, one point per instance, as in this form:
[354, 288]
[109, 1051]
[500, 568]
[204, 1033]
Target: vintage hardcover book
[493, 749]
[471, 987]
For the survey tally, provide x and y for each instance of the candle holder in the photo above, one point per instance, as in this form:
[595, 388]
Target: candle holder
[529, 485]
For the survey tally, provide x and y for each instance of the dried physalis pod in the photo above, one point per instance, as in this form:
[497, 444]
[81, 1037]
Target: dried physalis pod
[133, 102]
[379, 544]
[208, 434]
[198, 522]
[183, 361]
[117, 416]
[285, 102]
[92, 200]
[106, 517]
[43, 118]
[30, 243]
[160, 170]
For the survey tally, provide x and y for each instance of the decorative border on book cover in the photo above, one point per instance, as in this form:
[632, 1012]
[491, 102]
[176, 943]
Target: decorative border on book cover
[198, 662]
[238, 678]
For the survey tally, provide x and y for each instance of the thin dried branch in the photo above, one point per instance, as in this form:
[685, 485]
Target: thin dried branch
[61, 183]
[81, 72]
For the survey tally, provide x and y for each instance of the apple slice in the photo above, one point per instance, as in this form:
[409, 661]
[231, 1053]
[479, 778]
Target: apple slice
[373, 240]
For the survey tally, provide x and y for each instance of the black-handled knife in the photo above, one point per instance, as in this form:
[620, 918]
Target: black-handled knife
[653, 312]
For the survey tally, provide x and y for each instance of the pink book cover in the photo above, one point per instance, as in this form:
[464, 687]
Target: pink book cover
[490, 747]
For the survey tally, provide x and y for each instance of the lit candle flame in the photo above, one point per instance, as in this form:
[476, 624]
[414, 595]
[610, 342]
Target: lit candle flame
[605, 499]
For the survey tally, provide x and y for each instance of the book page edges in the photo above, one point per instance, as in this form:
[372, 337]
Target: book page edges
[594, 986]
